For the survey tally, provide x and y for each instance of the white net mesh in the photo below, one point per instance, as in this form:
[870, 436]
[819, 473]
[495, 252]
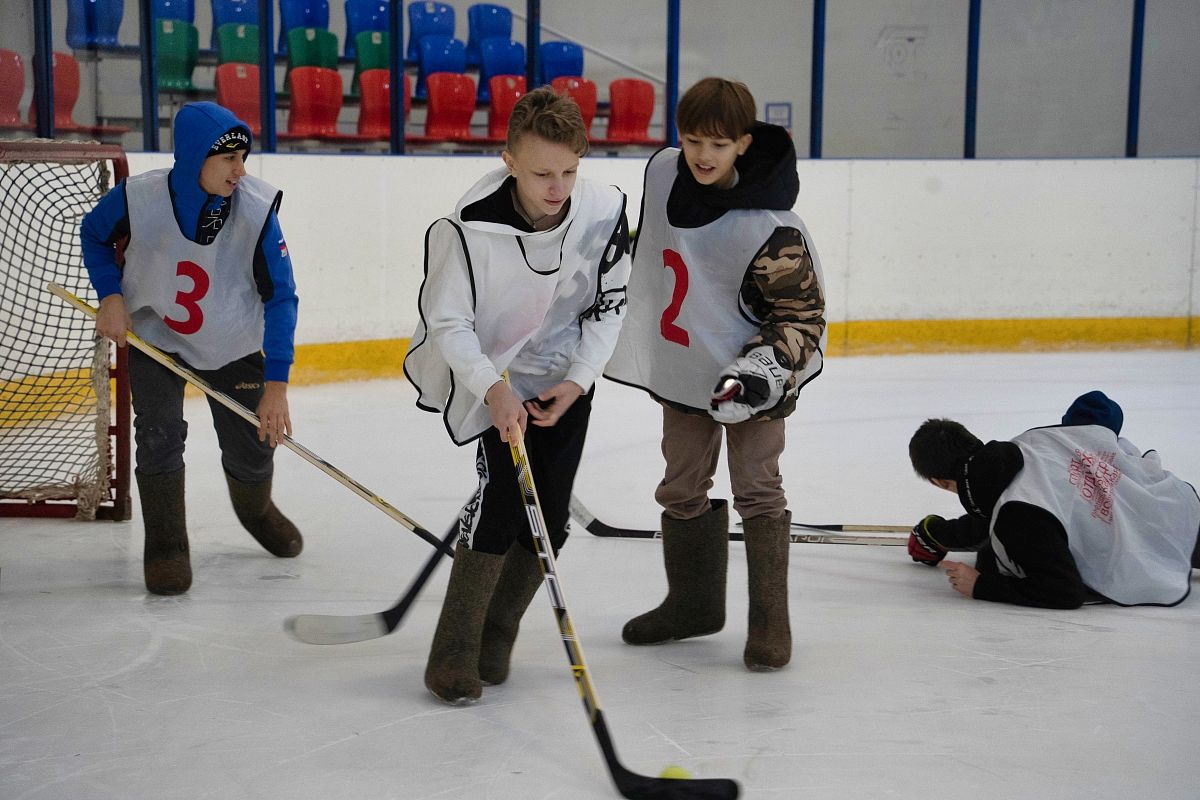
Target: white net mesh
[54, 371]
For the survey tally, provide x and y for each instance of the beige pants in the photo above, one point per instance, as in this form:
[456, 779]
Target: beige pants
[691, 445]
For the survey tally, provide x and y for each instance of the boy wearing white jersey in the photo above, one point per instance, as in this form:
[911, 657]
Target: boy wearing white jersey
[192, 259]
[726, 323]
[526, 277]
[1061, 515]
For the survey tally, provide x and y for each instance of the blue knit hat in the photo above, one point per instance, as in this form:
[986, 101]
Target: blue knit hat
[1095, 408]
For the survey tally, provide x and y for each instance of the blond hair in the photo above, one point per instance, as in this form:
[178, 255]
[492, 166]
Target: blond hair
[550, 116]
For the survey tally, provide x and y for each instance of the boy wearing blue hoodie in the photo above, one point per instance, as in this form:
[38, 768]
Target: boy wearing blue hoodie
[192, 260]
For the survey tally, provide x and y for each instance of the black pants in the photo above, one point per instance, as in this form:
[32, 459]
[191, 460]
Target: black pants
[160, 430]
[495, 517]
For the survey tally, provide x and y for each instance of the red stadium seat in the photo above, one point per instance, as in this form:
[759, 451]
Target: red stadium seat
[375, 105]
[237, 90]
[630, 108]
[506, 90]
[12, 86]
[451, 105]
[316, 103]
[582, 91]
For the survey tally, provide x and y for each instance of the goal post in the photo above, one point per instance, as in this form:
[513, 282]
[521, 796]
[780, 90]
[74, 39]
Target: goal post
[64, 397]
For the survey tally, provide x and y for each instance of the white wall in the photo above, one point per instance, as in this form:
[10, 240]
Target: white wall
[899, 240]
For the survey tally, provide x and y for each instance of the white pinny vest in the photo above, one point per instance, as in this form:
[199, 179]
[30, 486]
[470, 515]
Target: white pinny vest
[199, 301]
[686, 321]
[1131, 525]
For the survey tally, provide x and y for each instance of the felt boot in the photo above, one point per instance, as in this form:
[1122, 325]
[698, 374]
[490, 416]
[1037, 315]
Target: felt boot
[519, 581]
[769, 643]
[270, 528]
[452, 672]
[166, 564]
[696, 554]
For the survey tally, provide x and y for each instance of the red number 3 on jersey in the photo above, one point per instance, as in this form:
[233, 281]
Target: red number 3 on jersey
[189, 300]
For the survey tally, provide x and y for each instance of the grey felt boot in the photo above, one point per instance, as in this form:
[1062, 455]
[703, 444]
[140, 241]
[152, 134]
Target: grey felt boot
[452, 672]
[270, 528]
[769, 643]
[519, 582]
[696, 555]
[166, 564]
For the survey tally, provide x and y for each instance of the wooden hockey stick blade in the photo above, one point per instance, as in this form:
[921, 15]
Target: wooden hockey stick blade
[822, 534]
[330, 629]
[248, 415]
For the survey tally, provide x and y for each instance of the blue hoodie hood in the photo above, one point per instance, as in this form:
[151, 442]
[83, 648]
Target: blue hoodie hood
[197, 127]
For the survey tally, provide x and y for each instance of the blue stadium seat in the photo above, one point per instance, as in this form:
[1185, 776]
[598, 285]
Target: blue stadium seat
[499, 56]
[439, 54]
[301, 14]
[427, 19]
[174, 9]
[560, 58]
[93, 23]
[364, 15]
[232, 12]
[485, 21]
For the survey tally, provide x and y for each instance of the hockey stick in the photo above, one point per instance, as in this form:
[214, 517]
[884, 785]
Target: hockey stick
[823, 534]
[629, 784]
[252, 418]
[329, 629]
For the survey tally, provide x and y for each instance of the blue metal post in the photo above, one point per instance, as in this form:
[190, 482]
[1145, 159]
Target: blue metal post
[266, 75]
[672, 88]
[1135, 78]
[43, 69]
[972, 95]
[533, 41]
[149, 57]
[396, 65]
[817, 100]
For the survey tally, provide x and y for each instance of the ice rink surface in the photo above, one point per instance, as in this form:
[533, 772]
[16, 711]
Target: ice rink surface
[898, 687]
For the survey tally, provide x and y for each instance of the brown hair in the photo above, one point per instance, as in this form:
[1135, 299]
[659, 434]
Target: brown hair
[716, 107]
[550, 115]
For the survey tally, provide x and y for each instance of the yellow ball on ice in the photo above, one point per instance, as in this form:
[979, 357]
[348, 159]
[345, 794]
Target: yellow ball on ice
[679, 773]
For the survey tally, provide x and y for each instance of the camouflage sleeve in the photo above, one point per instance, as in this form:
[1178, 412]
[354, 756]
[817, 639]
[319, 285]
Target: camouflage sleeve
[782, 289]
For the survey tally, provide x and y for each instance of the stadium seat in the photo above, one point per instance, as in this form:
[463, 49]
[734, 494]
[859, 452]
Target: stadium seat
[12, 87]
[66, 94]
[630, 109]
[372, 51]
[311, 47]
[439, 54]
[301, 14]
[237, 90]
[93, 23]
[237, 42]
[174, 9]
[451, 105]
[506, 90]
[178, 46]
[486, 21]
[232, 12]
[375, 105]
[560, 58]
[499, 57]
[316, 103]
[583, 92]
[364, 15]
[427, 19]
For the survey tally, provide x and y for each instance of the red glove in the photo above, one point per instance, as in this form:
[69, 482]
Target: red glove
[922, 547]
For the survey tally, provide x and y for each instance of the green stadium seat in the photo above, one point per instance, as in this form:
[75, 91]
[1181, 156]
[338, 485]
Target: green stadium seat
[178, 45]
[372, 51]
[237, 43]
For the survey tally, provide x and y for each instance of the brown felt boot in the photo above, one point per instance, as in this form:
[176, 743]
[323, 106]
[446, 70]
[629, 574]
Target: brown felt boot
[769, 643]
[696, 554]
[165, 560]
[452, 672]
[519, 582]
[270, 528]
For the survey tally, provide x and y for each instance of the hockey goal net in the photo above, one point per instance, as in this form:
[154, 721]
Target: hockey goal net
[64, 400]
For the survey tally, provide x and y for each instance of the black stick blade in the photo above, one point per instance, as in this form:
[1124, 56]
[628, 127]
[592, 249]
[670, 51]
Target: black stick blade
[327, 629]
[640, 787]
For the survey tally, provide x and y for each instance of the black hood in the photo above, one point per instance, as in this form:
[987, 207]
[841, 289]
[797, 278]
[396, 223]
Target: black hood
[985, 476]
[767, 179]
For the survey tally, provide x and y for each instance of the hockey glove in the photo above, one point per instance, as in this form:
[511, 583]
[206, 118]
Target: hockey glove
[752, 383]
[923, 548]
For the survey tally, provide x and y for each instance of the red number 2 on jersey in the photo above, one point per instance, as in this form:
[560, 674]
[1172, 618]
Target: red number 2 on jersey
[188, 300]
[666, 324]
